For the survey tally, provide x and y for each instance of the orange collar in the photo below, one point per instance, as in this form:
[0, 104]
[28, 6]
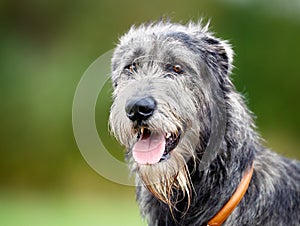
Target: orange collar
[237, 196]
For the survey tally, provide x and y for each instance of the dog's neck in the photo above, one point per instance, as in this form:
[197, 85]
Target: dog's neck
[212, 190]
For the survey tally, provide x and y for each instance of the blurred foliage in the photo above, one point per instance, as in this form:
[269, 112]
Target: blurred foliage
[45, 47]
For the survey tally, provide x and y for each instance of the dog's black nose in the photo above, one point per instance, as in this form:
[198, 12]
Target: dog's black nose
[140, 109]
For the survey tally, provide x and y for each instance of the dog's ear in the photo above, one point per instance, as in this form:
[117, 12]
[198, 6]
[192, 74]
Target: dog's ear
[218, 52]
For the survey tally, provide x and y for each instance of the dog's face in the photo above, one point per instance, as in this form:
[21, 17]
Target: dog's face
[162, 108]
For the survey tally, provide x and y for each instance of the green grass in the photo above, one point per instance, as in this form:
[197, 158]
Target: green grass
[72, 210]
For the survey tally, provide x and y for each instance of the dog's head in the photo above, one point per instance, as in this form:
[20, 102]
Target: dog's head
[168, 79]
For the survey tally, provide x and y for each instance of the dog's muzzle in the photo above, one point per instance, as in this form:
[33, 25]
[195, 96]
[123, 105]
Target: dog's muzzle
[151, 146]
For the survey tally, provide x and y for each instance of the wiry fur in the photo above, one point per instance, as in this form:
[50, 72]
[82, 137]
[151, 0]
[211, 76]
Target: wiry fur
[178, 191]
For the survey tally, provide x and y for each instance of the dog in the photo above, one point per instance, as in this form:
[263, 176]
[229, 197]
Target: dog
[190, 139]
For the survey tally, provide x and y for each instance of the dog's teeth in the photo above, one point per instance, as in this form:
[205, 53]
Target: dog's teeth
[142, 130]
[168, 135]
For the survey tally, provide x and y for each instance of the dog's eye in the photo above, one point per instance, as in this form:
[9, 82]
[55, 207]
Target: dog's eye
[132, 68]
[177, 68]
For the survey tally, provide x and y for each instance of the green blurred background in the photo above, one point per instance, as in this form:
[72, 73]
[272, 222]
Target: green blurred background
[45, 47]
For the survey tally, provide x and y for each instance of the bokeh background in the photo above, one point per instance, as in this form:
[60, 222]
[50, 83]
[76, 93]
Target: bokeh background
[45, 47]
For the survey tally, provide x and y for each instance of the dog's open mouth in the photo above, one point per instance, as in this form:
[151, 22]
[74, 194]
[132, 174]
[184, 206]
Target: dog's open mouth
[153, 147]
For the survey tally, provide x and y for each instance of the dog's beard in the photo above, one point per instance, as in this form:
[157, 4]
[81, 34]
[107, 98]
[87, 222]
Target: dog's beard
[168, 181]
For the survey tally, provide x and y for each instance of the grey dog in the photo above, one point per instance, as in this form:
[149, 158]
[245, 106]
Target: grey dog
[190, 139]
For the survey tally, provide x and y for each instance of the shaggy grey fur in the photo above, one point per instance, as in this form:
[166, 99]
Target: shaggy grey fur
[186, 71]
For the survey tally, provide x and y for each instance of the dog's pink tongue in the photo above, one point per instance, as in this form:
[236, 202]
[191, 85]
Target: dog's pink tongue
[149, 150]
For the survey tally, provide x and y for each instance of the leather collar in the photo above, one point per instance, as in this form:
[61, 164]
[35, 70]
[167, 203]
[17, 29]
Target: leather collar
[235, 199]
